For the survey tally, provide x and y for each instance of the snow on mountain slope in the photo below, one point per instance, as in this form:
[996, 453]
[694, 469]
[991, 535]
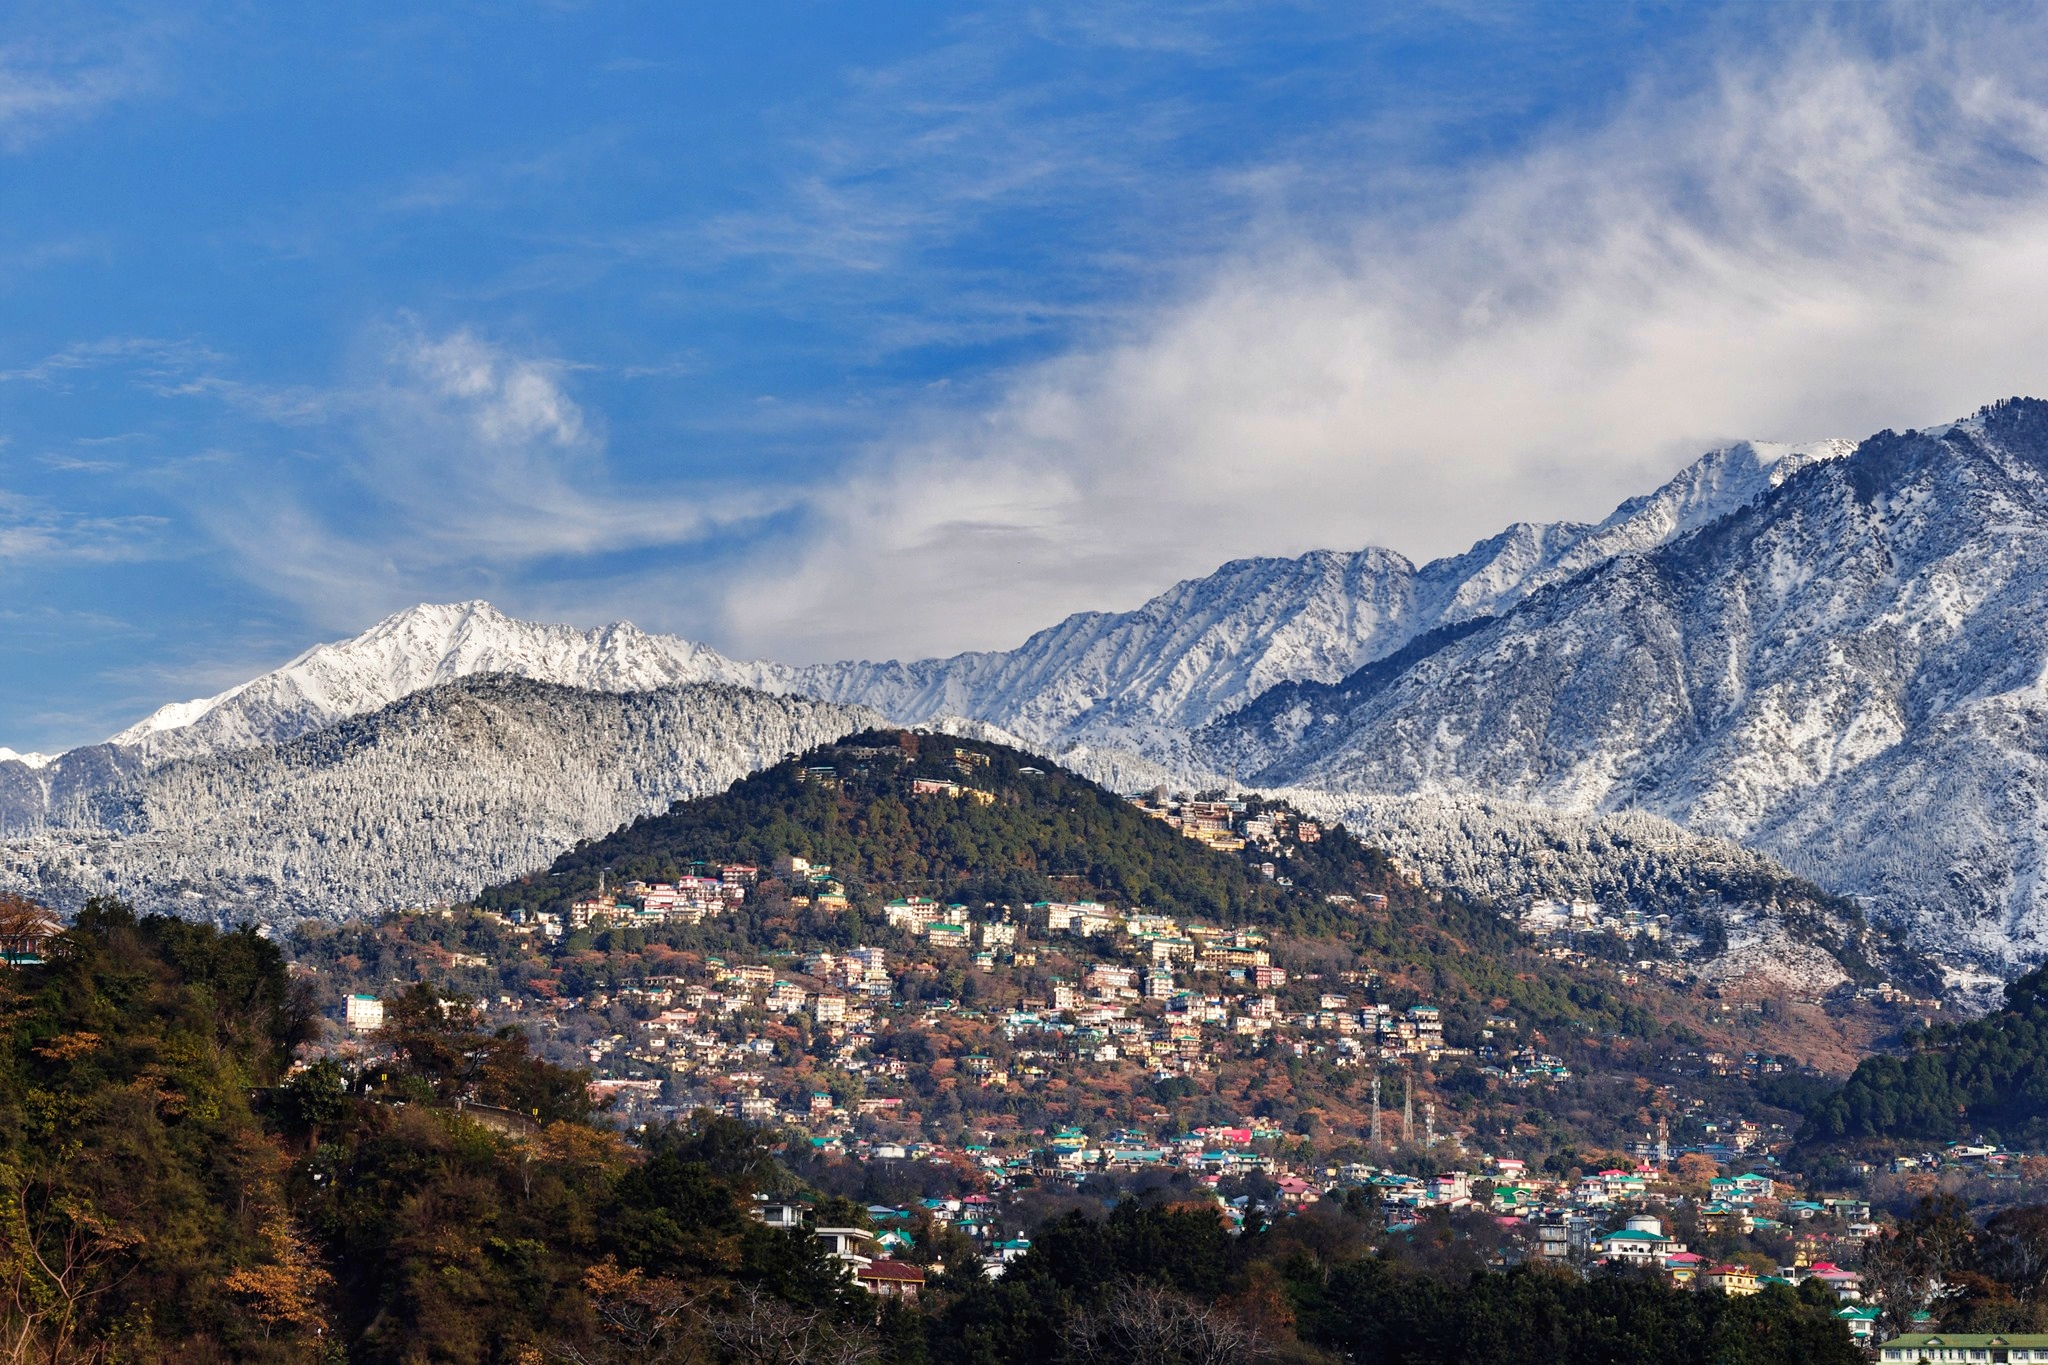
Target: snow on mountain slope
[430, 798]
[1846, 673]
[1136, 681]
[1139, 680]
[1757, 930]
[1142, 680]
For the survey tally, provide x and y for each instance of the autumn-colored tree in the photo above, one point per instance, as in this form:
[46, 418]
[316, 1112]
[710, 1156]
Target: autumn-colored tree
[287, 1294]
[25, 927]
[58, 1255]
[640, 1317]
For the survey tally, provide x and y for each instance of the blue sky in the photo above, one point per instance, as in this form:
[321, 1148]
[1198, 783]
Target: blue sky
[826, 329]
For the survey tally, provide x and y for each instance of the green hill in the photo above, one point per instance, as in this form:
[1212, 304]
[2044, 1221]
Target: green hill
[1040, 833]
[1988, 1076]
[1021, 830]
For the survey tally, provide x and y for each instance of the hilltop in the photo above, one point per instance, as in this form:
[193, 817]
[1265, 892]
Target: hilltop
[899, 813]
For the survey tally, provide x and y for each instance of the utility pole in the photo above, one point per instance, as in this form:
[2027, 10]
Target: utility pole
[1429, 1122]
[1375, 1110]
[1408, 1108]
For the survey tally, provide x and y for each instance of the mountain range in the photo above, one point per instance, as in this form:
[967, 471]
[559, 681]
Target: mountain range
[1831, 654]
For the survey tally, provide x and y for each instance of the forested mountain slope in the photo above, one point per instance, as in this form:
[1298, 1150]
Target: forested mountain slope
[1986, 1078]
[428, 799]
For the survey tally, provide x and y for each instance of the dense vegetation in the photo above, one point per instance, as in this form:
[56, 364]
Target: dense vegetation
[1166, 1283]
[1048, 834]
[136, 1182]
[1988, 1076]
[170, 1190]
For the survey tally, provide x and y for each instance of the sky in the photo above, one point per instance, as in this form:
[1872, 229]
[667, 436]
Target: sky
[818, 330]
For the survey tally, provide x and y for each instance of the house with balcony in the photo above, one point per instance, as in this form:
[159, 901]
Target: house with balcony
[891, 1279]
[779, 1214]
[851, 1247]
[1861, 1320]
[1641, 1242]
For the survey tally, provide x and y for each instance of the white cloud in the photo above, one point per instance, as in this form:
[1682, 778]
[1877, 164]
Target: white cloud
[1807, 240]
[455, 466]
[63, 69]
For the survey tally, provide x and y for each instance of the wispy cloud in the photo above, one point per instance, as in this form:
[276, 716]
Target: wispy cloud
[56, 69]
[1823, 234]
[162, 363]
[36, 533]
[454, 465]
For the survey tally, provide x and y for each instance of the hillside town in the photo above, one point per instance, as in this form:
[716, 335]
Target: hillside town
[944, 1074]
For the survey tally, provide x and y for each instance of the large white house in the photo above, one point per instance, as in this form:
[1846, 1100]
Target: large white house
[1960, 1348]
[1641, 1241]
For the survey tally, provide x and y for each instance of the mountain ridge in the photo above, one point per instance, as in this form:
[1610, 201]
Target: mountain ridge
[1096, 677]
[1870, 625]
[1721, 652]
[425, 800]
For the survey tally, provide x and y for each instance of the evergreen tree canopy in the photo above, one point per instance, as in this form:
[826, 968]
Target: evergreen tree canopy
[1988, 1076]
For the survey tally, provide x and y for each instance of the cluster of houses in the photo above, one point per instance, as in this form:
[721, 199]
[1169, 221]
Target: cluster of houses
[708, 1036]
[1542, 917]
[687, 900]
[1227, 825]
[1607, 1219]
[700, 1034]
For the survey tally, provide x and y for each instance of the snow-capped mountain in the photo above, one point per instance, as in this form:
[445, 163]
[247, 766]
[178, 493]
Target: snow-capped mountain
[430, 798]
[1138, 680]
[422, 647]
[1850, 673]
[1143, 680]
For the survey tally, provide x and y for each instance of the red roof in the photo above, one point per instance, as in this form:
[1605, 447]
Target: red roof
[885, 1269]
